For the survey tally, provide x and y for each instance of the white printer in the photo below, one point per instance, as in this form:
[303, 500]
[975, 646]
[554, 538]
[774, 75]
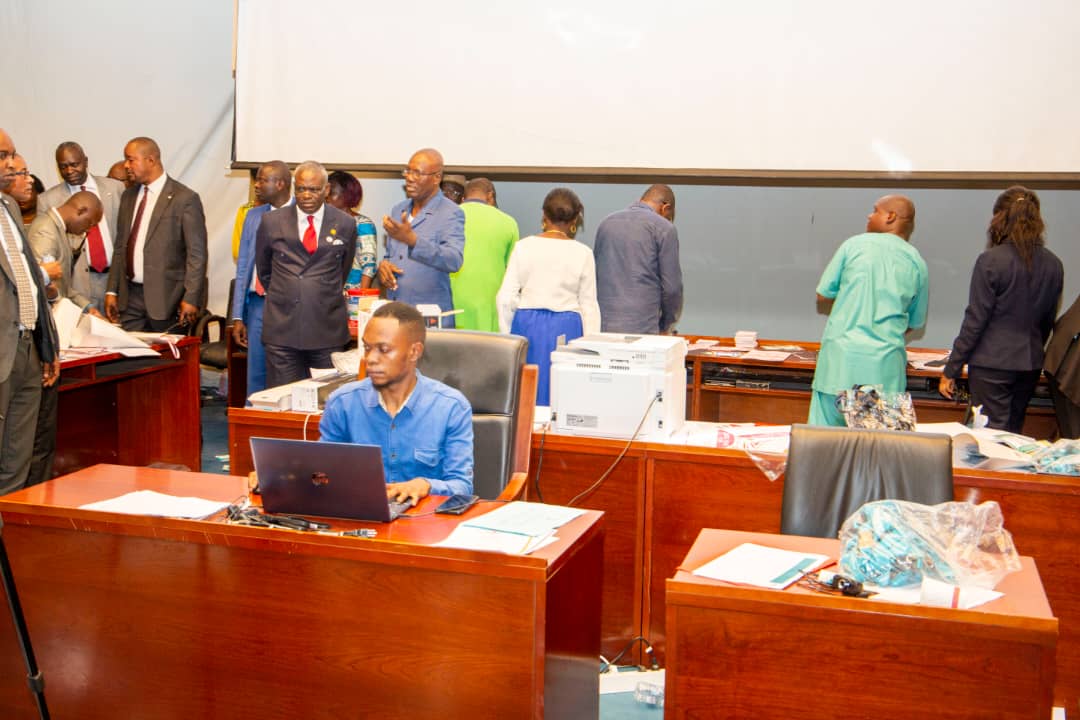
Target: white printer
[603, 384]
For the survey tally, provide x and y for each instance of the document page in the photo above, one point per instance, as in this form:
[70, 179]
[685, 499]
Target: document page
[526, 518]
[761, 566]
[148, 502]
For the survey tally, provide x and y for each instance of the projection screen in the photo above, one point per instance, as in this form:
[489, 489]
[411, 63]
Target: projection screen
[687, 87]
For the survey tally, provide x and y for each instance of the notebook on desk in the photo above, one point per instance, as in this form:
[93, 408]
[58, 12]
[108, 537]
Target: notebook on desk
[342, 480]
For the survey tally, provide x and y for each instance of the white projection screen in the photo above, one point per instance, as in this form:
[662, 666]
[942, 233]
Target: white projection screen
[686, 87]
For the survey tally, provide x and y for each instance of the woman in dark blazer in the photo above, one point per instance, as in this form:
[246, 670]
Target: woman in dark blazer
[1014, 297]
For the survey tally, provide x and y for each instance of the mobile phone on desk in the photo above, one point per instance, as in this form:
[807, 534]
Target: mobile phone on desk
[457, 504]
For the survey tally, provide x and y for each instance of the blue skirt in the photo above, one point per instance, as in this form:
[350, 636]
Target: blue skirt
[542, 328]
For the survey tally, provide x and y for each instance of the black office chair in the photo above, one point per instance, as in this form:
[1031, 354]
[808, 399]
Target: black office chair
[832, 472]
[213, 352]
[489, 370]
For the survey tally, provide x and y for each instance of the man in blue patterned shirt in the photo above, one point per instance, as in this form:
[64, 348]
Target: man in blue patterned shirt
[423, 426]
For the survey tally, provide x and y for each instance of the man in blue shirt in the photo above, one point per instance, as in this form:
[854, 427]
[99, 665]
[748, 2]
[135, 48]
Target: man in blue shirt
[423, 426]
[638, 277]
[425, 238]
[272, 189]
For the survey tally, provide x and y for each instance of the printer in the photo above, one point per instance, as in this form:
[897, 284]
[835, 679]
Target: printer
[603, 384]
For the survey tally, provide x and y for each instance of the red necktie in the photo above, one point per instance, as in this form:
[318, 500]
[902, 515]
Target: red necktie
[95, 245]
[134, 234]
[310, 243]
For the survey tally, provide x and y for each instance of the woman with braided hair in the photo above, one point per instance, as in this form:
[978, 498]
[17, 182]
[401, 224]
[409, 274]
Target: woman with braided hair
[1014, 297]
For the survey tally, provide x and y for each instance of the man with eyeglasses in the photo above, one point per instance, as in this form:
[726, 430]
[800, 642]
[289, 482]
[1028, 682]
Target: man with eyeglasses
[157, 278]
[425, 238]
[303, 254]
[29, 348]
[90, 268]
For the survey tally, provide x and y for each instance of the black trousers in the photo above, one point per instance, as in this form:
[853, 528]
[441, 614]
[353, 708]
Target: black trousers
[285, 364]
[1004, 395]
[1067, 412]
[135, 318]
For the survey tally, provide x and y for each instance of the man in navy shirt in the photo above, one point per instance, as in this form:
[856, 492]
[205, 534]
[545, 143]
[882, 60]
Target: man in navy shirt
[423, 426]
[638, 277]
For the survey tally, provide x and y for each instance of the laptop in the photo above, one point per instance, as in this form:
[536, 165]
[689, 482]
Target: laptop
[325, 479]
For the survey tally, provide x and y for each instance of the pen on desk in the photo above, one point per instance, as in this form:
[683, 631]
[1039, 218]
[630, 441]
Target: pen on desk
[361, 532]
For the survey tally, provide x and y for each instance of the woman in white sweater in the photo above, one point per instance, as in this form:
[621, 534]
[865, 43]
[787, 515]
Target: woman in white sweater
[550, 285]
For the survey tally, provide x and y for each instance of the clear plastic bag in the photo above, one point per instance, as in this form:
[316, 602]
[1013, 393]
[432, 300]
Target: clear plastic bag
[1061, 458]
[867, 407]
[894, 543]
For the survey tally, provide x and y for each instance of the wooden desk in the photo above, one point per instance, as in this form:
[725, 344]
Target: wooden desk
[659, 497]
[145, 617]
[131, 411]
[740, 652]
[786, 399]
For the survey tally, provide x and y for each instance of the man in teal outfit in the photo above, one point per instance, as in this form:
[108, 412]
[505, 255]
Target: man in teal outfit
[877, 286]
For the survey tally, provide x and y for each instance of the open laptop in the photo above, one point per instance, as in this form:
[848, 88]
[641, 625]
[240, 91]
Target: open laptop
[342, 480]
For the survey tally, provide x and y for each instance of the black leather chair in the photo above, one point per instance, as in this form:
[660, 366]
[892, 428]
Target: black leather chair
[832, 472]
[489, 370]
[213, 352]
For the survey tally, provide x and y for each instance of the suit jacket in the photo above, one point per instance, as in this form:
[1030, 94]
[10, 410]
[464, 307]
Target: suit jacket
[109, 191]
[1010, 311]
[174, 254]
[1063, 354]
[49, 236]
[305, 301]
[245, 259]
[45, 338]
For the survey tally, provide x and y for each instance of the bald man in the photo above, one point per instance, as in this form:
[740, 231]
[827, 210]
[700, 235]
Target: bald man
[876, 290]
[90, 271]
[157, 281]
[425, 238]
[118, 172]
[59, 235]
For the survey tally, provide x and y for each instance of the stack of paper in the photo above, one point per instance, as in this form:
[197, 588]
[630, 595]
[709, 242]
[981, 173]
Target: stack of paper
[983, 447]
[761, 566]
[517, 528]
[148, 502]
[746, 339]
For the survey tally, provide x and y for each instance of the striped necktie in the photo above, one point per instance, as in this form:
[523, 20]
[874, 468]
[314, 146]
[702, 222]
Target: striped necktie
[27, 311]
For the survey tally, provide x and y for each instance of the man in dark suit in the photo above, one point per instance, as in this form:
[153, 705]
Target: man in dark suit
[29, 348]
[303, 253]
[90, 267]
[158, 273]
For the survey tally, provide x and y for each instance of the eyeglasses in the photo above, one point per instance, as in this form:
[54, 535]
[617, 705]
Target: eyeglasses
[309, 189]
[411, 173]
[20, 173]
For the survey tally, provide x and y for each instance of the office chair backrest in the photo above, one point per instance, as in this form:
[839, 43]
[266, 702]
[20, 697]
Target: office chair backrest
[487, 369]
[832, 472]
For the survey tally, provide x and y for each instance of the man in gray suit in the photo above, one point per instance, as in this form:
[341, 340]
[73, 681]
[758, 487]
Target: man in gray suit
[59, 235]
[303, 253]
[29, 348]
[157, 280]
[90, 272]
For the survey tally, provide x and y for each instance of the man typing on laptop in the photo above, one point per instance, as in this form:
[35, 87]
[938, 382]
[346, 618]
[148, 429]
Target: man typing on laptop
[423, 426]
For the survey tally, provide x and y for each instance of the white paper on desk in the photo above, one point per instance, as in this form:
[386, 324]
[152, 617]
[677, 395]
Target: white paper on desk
[95, 332]
[766, 355]
[972, 449]
[702, 344]
[66, 315]
[761, 566]
[921, 360]
[941, 594]
[148, 502]
[525, 518]
[755, 438]
[471, 538]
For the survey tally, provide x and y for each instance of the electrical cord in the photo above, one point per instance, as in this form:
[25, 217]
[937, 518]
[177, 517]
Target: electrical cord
[606, 664]
[540, 462]
[621, 455]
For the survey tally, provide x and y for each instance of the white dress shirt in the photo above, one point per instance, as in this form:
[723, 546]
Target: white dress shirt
[144, 224]
[103, 226]
[302, 224]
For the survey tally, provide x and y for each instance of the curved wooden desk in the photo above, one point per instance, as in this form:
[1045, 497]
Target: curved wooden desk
[144, 617]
